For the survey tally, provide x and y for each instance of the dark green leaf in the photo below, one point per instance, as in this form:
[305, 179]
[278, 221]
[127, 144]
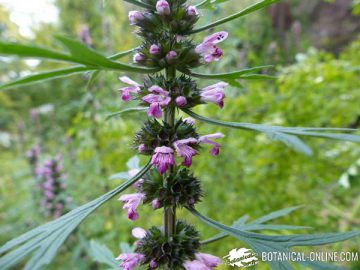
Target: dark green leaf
[140, 4]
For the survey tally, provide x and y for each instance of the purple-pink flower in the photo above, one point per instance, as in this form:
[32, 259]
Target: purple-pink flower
[171, 56]
[157, 99]
[214, 93]
[203, 262]
[135, 17]
[209, 260]
[163, 7]
[163, 158]
[184, 150]
[131, 203]
[208, 49]
[130, 260]
[207, 140]
[133, 88]
[156, 204]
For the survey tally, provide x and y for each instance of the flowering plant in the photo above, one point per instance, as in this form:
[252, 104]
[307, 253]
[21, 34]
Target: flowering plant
[168, 55]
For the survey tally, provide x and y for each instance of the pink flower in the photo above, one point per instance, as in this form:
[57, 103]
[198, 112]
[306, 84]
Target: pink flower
[192, 11]
[208, 49]
[155, 204]
[157, 99]
[206, 140]
[209, 260]
[130, 260]
[162, 7]
[163, 158]
[154, 49]
[135, 17]
[127, 91]
[132, 202]
[181, 101]
[185, 151]
[214, 93]
[138, 233]
[138, 57]
[195, 265]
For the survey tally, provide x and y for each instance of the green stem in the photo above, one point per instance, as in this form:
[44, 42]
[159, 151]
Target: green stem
[170, 212]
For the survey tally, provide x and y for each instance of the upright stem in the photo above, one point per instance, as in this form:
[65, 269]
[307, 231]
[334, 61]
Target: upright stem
[170, 212]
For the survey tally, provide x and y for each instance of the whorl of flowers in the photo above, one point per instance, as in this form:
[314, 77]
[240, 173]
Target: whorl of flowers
[172, 144]
[52, 183]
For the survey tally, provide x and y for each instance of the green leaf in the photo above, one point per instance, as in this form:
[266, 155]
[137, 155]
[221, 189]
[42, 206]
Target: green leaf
[285, 134]
[44, 76]
[102, 254]
[89, 57]
[210, 4]
[257, 225]
[248, 10]
[126, 111]
[231, 77]
[54, 74]
[45, 240]
[274, 243]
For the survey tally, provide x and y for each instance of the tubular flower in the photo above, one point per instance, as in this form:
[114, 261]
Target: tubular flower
[163, 158]
[126, 91]
[132, 202]
[195, 265]
[162, 7]
[207, 140]
[214, 93]
[157, 99]
[138, 233]
[185, 151]
[209, 260]
[208, 49]
[181, 101]
[130, 260]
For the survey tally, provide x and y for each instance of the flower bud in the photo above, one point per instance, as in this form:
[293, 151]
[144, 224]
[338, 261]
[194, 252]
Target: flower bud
[138, 57]
[142, 148]
[154, 49]
[181, 101]
[192, 11]
[162, 7]
[135, 17]
[155, 204]
[171, 56]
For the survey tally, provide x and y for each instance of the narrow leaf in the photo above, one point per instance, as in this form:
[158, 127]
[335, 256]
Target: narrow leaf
[102, 254]
[126, 111]
[140, 4]
[250, 9]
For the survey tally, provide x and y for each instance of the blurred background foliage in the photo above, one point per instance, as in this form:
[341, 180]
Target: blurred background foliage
[315, 47]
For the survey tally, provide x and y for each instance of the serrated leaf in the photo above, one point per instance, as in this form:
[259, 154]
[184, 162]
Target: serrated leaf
[285, 134]
[45, 240]
[274, 243]
[257, 225]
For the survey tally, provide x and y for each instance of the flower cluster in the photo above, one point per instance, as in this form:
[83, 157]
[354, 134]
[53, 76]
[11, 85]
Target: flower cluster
[157, 93]
[52, 183]
[172, 144]
[155, 250]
